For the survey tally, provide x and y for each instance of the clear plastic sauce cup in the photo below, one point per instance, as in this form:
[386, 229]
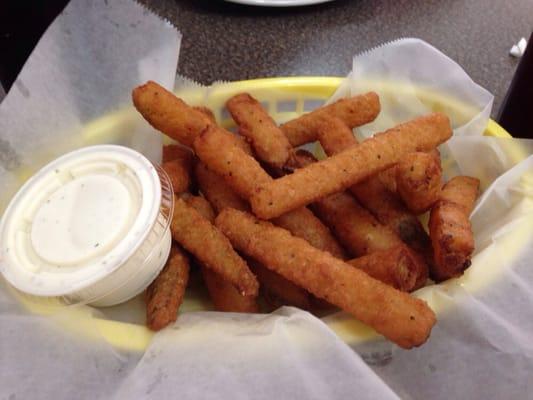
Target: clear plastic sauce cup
[91, 227]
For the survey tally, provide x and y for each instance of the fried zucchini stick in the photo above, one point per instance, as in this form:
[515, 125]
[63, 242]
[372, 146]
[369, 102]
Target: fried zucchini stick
[177, 163]
[177, 151]
[222, 196]
[405, 320]
[197, 235]
[243, 174]
[357, 229]
[206, 112]
[224, 295]
[335, 137]
[165, 294]
[349, 167]
[268, 141]
[418, 180]
[396, 267]
[217, 191]
[354, 111]
[450, 228]
[169, 114]
[279, 291]
[173, 117]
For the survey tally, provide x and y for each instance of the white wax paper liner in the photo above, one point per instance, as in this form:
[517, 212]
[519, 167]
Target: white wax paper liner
[480, 347]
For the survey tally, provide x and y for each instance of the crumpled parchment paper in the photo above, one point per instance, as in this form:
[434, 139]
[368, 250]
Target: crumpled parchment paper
[84, 68]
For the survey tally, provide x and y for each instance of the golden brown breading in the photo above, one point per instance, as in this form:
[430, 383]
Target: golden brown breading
[165, 294]
[173, 117]
[177, 151]
[219, 194]
[279, 290]
[418, 179]
[225, 296]
[349, 167]
[169, 114]
[304, 224]
[396, 267]
[201, 205]
[219, 153]
[450, 228]
[356, 228]
[268, 141]
[207, 112]
[179, 174]
[358, 231]
[405, 320]
[334, 135]
[354, 111]
[198, 236]
[243, 173]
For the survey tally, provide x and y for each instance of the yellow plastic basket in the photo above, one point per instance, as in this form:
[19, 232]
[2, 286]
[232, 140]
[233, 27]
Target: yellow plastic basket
[285, 98]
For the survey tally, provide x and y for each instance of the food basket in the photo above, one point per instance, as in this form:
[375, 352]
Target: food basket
[284, 98]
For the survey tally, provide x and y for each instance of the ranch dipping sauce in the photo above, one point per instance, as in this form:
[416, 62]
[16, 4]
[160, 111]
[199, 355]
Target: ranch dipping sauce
[91, 227]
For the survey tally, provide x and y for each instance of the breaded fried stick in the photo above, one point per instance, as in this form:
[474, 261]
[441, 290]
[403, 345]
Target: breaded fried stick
[354, 111]
[268, 141]
[273, 284]
[405, 320]
[450, 229]
[173, 117]
[349, 167]
[243, 174]
[418, 180]
[196, 234]
[165, 294]
[224, 295]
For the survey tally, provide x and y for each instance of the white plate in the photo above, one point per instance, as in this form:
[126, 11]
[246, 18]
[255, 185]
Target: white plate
[278, 3]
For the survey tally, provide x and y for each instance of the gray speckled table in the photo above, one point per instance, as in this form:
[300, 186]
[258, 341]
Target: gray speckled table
[225, 41]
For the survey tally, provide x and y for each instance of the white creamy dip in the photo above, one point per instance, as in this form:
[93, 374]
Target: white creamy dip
[92, 227]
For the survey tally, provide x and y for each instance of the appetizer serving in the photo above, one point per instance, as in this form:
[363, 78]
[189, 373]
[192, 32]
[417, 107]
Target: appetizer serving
[260, 217]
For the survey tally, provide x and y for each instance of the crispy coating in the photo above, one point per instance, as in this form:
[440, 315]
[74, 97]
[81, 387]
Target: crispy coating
[418, 178]
[278, 290]
[169, 114]
[273, 285]
[201, 205]
[388, 178]
[304, 224]
[389, 210]
[225, 296]
[334, 135]
[358, 231]
[450, 229]
[268, 141]
[219, 194]
[396, 267]
[240, 170]
[349, 167]
[197, 235]
[299, 158]
[172, 116]
[405, 320]
[179, 173]
[207, 112]
[165, 294]
[356, 228]
[243, 173]
[177, 152]
[354, 111]
[374, 195]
